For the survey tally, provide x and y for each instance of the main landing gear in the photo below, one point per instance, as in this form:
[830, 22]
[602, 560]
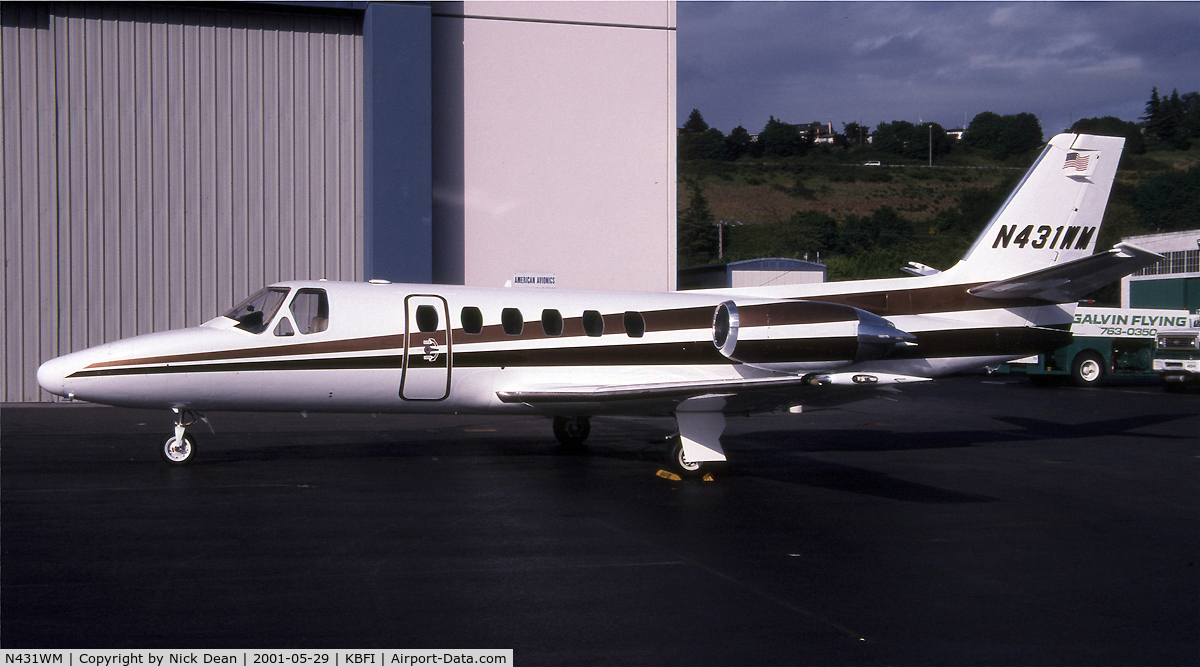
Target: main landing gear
[572, 432]
[679, 464]
[179, 448]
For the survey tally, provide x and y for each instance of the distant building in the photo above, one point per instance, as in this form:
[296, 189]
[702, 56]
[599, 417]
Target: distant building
[752, 273]
[1172, 283]
[825, 132]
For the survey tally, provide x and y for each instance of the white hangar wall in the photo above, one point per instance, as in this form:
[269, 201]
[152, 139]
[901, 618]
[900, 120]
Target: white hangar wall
[160, 163]
[554, 135]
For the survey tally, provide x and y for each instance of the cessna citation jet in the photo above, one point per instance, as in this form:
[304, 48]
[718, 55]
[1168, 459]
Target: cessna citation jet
[380, 347]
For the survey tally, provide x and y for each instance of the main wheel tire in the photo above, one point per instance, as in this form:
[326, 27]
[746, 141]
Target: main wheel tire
[680, 465]
[572, 432]
[178, 453]
[1088, 369]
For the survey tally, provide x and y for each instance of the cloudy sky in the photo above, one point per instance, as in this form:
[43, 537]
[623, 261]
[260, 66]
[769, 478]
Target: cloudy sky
[873, 62]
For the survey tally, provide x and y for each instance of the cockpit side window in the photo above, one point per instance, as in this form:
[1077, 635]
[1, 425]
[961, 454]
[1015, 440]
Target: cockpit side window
[256, 312]
[310, 309]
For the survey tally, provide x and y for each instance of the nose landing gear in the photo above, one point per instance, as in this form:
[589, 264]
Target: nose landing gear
[179, 448]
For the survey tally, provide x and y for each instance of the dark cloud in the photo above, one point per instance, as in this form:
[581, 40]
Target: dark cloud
[741, 62]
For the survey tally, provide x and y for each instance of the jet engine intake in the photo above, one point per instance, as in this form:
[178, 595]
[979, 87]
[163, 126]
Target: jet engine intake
[798, 336]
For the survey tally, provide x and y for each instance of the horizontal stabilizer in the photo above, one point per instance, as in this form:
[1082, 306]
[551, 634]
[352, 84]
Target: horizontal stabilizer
[919, 269]
[1071, 281]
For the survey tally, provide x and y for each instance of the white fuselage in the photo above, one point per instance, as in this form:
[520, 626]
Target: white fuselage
[372, 356]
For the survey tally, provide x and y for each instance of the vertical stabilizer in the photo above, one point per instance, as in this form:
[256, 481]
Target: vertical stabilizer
[1053, 215]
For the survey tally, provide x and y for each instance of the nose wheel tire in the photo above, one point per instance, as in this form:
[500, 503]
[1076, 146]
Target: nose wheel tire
[178, 451]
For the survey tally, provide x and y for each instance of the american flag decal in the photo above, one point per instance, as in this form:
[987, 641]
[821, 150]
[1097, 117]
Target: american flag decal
[1076, 161]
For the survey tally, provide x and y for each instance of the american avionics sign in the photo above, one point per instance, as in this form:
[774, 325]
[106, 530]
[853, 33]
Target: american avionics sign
[533, 279]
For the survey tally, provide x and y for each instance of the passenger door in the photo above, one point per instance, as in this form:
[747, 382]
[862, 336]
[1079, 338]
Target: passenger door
[426, 375]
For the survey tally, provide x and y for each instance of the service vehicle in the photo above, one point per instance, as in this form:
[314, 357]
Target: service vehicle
[1177, 357]
[1106, 341]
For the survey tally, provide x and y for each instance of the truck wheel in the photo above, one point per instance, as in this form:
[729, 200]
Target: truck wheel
[1088, 369]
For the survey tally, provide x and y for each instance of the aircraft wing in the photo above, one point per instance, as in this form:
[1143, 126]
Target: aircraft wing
[1071, 281]
[744, 394]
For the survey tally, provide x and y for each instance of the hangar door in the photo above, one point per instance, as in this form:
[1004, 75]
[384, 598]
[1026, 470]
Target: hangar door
[161, 162]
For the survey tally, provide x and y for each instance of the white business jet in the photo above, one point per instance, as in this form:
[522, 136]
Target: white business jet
[379, 347]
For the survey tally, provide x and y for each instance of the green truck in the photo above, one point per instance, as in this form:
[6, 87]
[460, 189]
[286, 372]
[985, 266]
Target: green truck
[1107, 341]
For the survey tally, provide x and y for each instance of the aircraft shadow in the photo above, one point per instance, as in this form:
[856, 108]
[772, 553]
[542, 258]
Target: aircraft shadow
[778, 455]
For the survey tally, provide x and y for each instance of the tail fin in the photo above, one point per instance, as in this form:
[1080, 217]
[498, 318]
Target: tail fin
[1053, 216]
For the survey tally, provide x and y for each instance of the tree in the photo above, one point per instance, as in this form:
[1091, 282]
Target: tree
[696, 234]
[1110, 126]
[1170, 201]
[1172, 122]
[737, 143]
[780, 139]
[884, 228]
[901, 137]
[707, 145]
[695, 123]
[854, 134]
[1004, 136]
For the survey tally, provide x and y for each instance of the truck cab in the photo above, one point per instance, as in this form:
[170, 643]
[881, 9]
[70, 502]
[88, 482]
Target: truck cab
[1177, 357]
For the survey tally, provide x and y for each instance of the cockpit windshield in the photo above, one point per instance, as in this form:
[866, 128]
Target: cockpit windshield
[255, 313]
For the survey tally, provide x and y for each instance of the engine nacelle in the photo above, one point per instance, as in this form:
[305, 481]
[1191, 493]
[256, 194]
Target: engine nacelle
[800, 336]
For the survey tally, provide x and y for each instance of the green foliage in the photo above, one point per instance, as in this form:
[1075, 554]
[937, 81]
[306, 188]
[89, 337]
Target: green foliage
[1110, 126]
[737, 143]
[1172, 122]
[697, 239]
[695, 123]
[1170, 201]
[805, 234]
[914, 142]
[1004, 136]
[706, 145]
[973, 209]
[882, 229]
[780, 139]
[1154, 191]
[853, 134]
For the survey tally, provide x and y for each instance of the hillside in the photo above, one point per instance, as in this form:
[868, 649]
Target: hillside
[868, 221]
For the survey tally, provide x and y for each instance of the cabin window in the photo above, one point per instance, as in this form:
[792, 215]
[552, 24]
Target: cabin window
[593, 323]
[635, 326]
[427, 319]
[310, 308]
[552, 323]
[511, 321]
[284, 328]
[472, 320]
[255, 313]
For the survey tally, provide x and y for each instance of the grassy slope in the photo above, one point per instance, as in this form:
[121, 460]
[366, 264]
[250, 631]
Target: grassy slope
[769, 192]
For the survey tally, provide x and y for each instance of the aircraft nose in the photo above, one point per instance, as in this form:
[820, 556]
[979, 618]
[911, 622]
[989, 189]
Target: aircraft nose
[52, 374]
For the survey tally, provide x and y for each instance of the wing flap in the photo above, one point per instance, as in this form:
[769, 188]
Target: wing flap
[681, 390]
[1071, 281]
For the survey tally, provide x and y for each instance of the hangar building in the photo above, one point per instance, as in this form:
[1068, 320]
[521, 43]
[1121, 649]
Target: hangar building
[163, 160]
[1174, 282]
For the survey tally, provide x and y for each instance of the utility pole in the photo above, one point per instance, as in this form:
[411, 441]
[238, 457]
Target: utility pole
[721, 224]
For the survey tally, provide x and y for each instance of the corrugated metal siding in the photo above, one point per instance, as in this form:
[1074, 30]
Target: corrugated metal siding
[162, 162]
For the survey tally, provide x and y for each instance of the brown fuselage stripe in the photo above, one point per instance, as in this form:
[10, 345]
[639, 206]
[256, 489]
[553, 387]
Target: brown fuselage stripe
[933, 344]
[928, 300]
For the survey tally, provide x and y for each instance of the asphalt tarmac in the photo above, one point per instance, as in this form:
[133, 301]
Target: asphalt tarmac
[975, 520]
